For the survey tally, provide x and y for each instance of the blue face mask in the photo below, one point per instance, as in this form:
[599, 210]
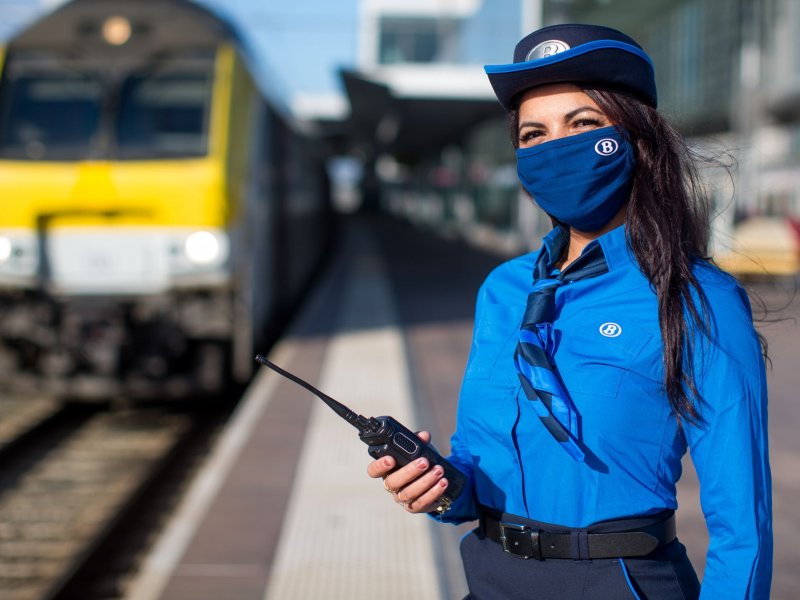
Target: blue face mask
[581, 180]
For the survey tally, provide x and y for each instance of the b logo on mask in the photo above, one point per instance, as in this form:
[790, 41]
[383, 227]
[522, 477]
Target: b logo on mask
[606, 147]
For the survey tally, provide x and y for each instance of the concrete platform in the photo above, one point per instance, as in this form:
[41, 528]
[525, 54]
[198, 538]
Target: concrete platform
[283, 508]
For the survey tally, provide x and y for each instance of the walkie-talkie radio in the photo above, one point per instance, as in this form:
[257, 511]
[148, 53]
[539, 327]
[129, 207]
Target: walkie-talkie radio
[385, 436]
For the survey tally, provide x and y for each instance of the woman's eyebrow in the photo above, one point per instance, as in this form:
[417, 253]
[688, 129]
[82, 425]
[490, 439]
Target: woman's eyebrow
[531, 124]
[572, 113]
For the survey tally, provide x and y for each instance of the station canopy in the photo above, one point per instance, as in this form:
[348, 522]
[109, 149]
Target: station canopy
[415, 111]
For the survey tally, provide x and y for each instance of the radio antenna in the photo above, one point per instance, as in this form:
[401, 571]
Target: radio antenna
[358, 421]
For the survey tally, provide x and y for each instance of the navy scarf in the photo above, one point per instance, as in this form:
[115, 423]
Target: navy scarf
[534, 365]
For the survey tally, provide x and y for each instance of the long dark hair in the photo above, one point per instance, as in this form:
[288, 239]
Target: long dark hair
[668, 228]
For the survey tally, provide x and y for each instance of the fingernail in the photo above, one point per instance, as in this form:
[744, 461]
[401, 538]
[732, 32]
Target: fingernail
[437, 470]
[387, 462]
[422, 463]
[443, 483]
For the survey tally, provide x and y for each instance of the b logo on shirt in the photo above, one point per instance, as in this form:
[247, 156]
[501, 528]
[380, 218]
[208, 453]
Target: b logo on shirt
[610, 330]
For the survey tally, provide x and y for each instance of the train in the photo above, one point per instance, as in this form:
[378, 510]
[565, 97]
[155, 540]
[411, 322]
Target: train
[163, 211]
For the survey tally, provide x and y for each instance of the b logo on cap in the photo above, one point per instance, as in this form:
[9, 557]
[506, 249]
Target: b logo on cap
[545, 49]
[606, 147]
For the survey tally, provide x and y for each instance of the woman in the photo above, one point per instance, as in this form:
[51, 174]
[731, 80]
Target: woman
[598, 360]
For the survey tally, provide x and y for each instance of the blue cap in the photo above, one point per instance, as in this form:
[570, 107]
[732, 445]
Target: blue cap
[572, 53]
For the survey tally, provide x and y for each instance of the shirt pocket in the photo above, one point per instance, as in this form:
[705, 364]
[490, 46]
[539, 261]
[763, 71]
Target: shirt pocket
[493, 340]
[593, 357]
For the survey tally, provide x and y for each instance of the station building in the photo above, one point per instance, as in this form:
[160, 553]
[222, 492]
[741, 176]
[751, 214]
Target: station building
[426, 123]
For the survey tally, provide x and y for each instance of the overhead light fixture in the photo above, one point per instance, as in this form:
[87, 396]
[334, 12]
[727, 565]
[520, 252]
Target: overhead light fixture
[116, 30]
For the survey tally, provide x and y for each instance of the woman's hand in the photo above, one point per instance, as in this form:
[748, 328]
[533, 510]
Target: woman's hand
[416, 487]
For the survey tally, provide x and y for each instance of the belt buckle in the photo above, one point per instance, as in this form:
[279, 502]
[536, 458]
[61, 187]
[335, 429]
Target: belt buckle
[520, 541]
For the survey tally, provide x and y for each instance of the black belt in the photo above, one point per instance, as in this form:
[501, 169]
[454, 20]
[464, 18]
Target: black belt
[528, 541]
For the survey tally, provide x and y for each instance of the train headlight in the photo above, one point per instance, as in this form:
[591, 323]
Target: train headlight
[203, 248]
[19, 256]
[6, 248]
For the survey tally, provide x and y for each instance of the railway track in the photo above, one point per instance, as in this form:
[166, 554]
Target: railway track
[70, 477]
[21, 416]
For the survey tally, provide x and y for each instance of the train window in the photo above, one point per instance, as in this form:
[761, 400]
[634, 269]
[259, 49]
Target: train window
[53, 108]
[49, 115]
[164, 115]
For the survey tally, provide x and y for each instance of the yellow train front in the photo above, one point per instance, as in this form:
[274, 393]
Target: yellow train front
[161, 212]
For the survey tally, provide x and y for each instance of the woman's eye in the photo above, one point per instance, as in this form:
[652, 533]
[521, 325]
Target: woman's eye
[529, 136]
[586, 123]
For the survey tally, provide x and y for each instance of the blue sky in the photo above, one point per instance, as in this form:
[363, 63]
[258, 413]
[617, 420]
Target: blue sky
[303, 42]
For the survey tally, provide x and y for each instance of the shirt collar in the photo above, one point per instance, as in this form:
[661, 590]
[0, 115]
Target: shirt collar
[616, 248]
[614, 244]
[554, 244]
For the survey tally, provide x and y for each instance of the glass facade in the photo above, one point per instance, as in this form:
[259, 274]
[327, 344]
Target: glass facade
[781, 57]
[694, 46]
[417, 40]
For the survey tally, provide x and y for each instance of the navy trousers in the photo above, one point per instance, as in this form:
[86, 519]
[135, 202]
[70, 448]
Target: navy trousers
[492, 574]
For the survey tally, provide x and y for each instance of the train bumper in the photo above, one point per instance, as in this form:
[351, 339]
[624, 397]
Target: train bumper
[173, 343]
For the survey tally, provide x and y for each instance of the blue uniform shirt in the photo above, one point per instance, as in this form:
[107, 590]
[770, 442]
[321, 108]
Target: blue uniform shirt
[607, 351]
